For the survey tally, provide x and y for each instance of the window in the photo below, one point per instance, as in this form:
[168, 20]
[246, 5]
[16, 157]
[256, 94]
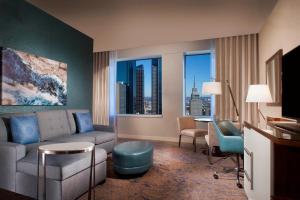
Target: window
[139, 87]
[197, 71]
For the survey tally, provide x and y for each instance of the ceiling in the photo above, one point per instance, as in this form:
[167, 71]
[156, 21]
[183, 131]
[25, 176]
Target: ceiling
[119, 24]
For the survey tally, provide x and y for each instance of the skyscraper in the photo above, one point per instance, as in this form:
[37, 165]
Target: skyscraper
[156, 87]
[121, 98]
[195, 103]
[139, 105]
[131, 89]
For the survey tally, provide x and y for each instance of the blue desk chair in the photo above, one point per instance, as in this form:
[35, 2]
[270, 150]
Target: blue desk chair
[231, 141]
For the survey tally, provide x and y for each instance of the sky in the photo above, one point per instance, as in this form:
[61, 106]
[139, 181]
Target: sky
[197, 66]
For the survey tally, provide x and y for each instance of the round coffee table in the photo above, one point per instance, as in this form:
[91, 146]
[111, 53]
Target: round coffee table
[65, 148]
[134, 157]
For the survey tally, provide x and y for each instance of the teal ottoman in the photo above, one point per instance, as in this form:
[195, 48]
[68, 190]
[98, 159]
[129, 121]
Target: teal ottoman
[134, 157]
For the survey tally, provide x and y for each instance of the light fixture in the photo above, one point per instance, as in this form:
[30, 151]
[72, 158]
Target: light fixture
[215, 88]
[259, 93]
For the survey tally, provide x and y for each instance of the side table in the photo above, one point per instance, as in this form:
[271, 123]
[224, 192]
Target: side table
[65, 148]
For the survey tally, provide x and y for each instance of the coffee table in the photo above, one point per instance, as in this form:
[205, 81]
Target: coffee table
[65, 148]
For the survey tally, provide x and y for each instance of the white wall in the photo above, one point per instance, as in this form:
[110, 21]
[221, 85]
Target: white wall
[281, 31]
[162, 128]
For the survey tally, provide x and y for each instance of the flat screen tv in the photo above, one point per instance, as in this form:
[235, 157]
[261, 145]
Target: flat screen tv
[291, 84]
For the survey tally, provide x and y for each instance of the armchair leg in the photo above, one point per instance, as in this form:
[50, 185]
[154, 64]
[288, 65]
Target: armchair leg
[194, 142]
[179, 141]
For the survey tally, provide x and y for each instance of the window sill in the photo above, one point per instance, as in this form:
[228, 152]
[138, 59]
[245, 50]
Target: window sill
[139, 116]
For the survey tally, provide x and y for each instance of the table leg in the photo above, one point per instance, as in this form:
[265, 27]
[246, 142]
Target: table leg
[91, 174]
[94, 152]
[38, 174]
[44, 167]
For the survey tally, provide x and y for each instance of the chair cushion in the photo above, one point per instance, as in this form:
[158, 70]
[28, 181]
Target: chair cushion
[60, 167]
[74, 138]
[193, 132]
[24, 129]
[84, 122]
[53, 124]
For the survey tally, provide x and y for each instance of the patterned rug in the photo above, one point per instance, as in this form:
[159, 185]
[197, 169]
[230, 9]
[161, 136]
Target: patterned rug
[177, 173]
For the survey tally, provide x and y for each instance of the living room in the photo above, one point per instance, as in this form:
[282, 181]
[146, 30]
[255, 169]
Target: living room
[150, 98]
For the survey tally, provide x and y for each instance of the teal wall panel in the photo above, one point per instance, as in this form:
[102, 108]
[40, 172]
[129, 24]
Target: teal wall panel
[26, 28]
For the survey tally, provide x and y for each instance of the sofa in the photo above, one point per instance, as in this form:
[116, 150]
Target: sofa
[67, 175]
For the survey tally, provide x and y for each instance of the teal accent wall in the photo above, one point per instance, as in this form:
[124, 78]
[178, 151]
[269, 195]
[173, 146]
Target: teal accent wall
[27, 28]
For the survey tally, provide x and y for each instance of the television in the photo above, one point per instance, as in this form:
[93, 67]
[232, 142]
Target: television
[291, 84]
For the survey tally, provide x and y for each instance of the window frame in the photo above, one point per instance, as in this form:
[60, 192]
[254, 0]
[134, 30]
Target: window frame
[212, 77]
[136, 59]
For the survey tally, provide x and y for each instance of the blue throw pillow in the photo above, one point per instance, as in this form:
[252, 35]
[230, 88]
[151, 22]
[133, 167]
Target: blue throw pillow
[84, 122]
[24, 129]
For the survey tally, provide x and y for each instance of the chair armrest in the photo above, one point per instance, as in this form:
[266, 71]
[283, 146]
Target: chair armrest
[234, 144]
[10, 153]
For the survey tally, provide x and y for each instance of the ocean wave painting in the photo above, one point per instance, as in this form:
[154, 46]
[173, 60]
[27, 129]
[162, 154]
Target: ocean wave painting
[28, 79]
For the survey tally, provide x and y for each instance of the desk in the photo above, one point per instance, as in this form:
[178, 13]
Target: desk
[272, 163]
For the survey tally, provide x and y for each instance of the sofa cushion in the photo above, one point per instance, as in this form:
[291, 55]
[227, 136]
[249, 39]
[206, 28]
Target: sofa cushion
[84, 122]
[101, 137]
[71, 118]
[74, 138]
[59, 167]
[53, 124]
[3, 131]
[24, 129]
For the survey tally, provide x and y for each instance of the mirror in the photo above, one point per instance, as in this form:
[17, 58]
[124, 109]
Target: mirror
[273, 66]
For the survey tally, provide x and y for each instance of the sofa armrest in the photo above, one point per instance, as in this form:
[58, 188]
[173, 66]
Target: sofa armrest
[10, 153]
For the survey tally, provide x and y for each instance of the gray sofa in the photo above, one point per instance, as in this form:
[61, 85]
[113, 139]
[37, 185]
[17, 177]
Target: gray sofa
[67, 175]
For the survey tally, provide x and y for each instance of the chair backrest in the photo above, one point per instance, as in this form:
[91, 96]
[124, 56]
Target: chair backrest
[185, 123]
[230, 138]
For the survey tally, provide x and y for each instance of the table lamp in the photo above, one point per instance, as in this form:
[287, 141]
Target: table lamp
[259, 93]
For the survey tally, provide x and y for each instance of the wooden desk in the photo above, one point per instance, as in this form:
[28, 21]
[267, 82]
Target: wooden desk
[274, 161]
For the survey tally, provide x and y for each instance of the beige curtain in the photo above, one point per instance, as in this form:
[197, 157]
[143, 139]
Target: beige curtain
[237, 62]
[101, 88]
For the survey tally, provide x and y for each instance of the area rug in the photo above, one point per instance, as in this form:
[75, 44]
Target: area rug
[177, 173]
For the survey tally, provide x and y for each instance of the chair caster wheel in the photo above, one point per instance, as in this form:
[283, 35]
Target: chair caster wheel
[239, 185]
[216, 176]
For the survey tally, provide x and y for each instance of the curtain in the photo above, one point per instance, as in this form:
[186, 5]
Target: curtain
[237, 62]
[101, 88]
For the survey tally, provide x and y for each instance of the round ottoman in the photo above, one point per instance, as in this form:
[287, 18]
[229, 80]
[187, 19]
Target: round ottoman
[134, 157]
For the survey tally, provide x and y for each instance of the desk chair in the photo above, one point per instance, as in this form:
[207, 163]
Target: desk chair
[231, 141]
[187, 127]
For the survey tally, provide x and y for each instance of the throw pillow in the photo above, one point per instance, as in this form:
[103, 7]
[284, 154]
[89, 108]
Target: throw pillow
[84, 122]
[24, 129]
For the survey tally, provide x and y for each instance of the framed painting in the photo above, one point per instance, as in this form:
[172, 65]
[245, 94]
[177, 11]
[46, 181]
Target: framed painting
[28, 79]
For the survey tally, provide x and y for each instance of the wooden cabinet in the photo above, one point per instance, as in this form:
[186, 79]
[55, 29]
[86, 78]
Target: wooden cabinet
[257, 165]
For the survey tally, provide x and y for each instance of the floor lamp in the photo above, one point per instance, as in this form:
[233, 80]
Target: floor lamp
[215, 88]
[259, 93]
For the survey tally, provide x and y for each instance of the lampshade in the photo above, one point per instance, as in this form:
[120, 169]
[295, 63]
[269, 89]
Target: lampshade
[211, 88]
[259, 94]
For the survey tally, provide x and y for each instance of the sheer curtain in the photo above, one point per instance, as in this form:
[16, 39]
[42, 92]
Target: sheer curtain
[101, 88]
[237, 62]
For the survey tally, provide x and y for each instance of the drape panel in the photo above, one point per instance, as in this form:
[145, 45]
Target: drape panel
[101, 88]
[237, 62]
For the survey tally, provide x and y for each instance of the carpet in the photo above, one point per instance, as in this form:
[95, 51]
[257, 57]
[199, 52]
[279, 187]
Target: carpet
[177, 173]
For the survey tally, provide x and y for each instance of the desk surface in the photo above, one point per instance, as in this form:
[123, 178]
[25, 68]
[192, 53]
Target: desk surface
[277, 136]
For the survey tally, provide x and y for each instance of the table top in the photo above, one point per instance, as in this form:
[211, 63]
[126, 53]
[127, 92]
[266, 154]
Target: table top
[67, 148]
[203, 119]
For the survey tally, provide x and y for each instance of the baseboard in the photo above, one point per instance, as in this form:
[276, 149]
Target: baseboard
[159, 138]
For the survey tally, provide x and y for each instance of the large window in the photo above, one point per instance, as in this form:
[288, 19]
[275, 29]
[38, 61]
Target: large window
[197, 71]
[139, 86]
